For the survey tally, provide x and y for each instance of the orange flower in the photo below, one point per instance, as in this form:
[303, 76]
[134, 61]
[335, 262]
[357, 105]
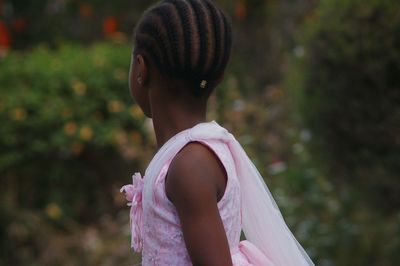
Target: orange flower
[70, 128]
[240, 10]
[18, 114]
[110, 25]
[79, 87]
[5, 40]
[53, 211]
[115, 106]
[86, 133]
[86, 10]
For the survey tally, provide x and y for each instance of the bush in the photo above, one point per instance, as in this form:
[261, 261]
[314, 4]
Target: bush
[70, 135]
[349, 91]
[68, 129]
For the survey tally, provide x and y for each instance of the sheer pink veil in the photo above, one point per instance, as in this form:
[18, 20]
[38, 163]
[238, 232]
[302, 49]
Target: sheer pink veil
[262, 221]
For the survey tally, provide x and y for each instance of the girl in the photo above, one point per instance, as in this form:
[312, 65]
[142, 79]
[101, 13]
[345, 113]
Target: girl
[200, 190]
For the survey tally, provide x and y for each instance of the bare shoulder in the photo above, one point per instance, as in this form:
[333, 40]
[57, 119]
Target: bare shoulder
[192, 183]
[196, 171]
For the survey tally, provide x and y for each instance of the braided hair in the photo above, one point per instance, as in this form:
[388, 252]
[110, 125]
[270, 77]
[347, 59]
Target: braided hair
[186, 39]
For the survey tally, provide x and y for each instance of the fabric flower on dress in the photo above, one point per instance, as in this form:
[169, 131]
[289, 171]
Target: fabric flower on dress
[133, 194]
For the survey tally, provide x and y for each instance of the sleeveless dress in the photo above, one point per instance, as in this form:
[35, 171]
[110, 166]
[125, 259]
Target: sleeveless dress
[155, 226]
[163, 242]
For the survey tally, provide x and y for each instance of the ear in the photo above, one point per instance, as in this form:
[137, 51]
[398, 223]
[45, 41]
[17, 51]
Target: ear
[143, 71]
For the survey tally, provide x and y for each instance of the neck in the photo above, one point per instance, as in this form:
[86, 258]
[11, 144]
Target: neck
[172, 118]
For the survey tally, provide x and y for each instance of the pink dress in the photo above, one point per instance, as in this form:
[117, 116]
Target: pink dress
[156, 229]
[247, 204]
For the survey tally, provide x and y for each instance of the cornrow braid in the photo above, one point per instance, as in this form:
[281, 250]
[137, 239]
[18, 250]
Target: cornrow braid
[186, 39]
[183, 9]
[200, 21]
[217, 35]
[228, 38]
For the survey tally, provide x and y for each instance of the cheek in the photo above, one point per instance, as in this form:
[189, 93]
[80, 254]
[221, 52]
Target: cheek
[135, 90]
[131, 81]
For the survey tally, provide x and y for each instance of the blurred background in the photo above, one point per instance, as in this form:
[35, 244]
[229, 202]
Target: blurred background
[312, 91]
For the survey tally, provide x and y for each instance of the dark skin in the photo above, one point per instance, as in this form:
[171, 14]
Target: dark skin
[196, 179]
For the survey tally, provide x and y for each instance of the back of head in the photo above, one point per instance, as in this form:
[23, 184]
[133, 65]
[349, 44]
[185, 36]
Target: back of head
[186, 39]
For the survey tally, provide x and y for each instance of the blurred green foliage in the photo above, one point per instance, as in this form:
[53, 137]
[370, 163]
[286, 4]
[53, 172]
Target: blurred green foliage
[349, 90]
[69, 130]
[344, 81]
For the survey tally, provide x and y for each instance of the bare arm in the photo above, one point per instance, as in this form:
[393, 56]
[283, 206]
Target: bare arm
[194, 179]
